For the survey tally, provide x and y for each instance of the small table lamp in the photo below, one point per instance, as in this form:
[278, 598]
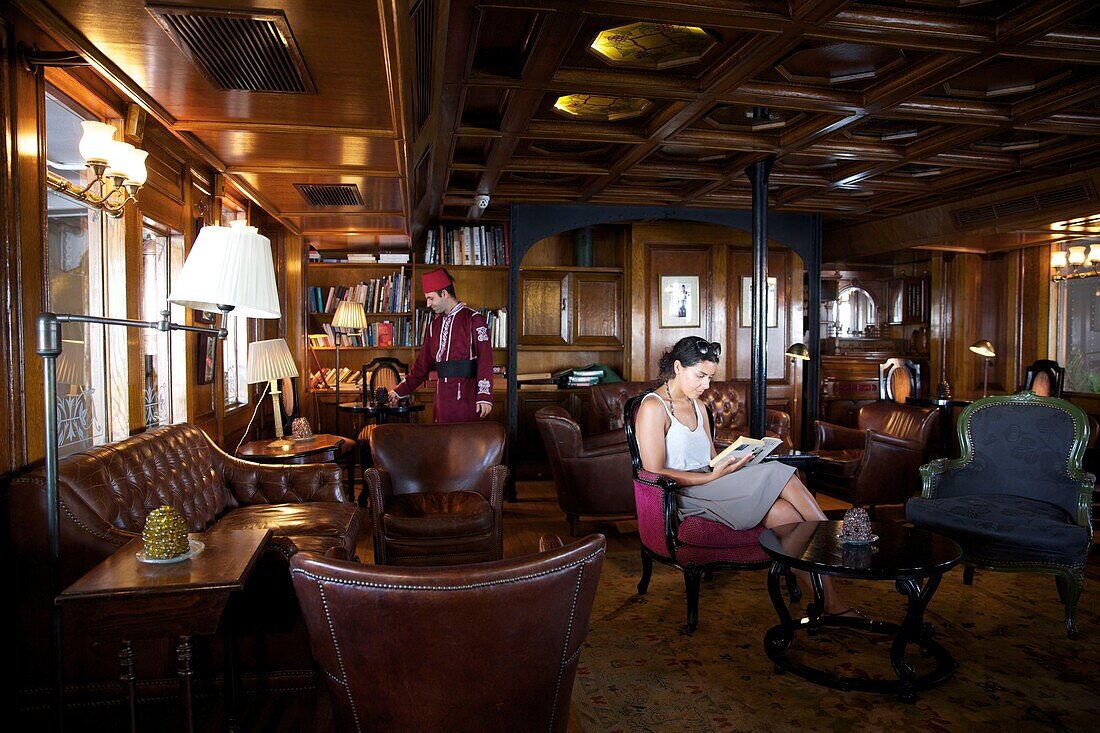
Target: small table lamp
[985, 349]
[798, 351]
[270, 361]
[349, 316]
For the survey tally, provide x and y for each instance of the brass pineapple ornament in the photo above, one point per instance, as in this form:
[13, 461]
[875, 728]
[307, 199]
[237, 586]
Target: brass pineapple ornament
[165, 534]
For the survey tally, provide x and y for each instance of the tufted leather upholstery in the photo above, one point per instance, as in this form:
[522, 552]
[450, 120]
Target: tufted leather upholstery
[876, 463]
[728, 402]
[503, 638]
[413, 464]
[592, 475]
[107, 492]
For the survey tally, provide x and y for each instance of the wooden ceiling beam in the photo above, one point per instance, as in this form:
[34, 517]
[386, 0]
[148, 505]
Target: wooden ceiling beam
[277, 127]
[1051, 101]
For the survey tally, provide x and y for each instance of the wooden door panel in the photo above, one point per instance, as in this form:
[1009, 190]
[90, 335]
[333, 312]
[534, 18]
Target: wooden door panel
[542, 298]
[597, 309]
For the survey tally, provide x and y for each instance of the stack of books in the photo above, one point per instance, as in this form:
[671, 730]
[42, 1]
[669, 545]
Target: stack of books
[356, 258]
[583, 377]
[397, 258]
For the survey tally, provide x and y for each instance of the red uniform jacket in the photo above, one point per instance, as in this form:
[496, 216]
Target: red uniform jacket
[453, 339]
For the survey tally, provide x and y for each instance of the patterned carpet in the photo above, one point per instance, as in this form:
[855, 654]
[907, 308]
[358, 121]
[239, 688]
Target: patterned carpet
[640, 670]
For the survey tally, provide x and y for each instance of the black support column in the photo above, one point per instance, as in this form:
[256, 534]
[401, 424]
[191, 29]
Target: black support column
[758, 174]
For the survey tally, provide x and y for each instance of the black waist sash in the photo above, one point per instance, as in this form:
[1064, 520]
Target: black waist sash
[466, 368]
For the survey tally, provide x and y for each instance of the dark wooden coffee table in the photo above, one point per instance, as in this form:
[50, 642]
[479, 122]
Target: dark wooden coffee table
[123, 600]
[321, 448]
[902, 554]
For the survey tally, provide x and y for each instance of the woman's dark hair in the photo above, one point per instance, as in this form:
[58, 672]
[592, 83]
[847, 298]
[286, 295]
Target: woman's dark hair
[689, 350]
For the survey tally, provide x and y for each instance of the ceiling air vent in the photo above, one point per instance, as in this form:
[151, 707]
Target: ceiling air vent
[247, 51]
[330, 194]
[1031, 204]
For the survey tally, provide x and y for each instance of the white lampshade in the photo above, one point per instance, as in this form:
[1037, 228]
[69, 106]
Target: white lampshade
[136, 173]
[96, 141]
[1094, 254]
[349, 315]
[229, 266]
[1077, 255]
[1058, 259]
[120, 159]
[70, 364]
[269, 360]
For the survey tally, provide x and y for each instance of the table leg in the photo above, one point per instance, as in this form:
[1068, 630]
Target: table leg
[778, 639]
[126, 660]
[183, 669]
[914, 630]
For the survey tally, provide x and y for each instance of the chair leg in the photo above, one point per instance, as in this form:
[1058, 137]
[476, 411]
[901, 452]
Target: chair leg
[647, 572]
[968, 575]
[574, 524]
[793, 591]
[1069, 590]
[708, 575]
[692, 580]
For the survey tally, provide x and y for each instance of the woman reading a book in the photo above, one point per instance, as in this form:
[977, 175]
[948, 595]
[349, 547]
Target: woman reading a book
[673, 434]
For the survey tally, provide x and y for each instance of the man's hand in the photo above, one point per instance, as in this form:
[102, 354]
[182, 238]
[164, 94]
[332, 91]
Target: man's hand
[395, 398]
[483, 409]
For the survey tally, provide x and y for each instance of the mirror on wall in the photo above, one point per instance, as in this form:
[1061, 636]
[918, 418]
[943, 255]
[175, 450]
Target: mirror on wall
[855, 310]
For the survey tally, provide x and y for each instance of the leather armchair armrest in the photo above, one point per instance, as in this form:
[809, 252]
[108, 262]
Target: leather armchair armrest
[837, 437]
[874, 436]
[779, 422]
[608, 438]
[889, 472]
[597, 451]
[379, 487]
[259, 483]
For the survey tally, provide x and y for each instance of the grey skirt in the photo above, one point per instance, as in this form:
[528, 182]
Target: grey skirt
[740, 499]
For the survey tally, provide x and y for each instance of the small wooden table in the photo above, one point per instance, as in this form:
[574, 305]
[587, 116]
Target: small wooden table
[321, 448]
[123, 599]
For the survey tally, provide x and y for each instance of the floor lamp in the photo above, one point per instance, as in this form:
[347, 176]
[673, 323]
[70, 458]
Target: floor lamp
[349, 316]
[271, 361]
[984, 349]
[229, 269]
[798, 353]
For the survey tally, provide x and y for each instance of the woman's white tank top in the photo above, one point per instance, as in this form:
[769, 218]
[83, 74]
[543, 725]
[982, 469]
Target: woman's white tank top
[685, 450]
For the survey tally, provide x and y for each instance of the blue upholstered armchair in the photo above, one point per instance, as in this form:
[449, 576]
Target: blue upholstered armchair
[1016, 500]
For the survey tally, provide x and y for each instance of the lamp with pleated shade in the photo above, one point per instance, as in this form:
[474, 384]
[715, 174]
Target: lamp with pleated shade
[349, 316]
[270, 361]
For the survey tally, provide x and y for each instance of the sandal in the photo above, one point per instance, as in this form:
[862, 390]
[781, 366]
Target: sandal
[852, 613]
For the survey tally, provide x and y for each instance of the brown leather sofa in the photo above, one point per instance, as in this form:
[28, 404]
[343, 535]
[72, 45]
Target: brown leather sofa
[592, 475]
[107, 492]
[877, 462]
[728, 402]
[486, 647]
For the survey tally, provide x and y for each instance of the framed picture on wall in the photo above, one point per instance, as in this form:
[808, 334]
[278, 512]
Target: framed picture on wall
[679, 301]
[208, 351]
[746, 302]
[204, 317]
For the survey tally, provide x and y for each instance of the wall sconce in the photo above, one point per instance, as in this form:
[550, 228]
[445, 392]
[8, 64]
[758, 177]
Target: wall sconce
[1077, 261]
[984, 349]
[118, 170]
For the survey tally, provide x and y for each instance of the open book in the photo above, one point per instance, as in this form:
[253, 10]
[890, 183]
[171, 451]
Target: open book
[758, 448]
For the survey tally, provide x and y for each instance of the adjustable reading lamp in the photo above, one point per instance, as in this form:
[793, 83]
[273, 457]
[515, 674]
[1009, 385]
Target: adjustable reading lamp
[985, 349]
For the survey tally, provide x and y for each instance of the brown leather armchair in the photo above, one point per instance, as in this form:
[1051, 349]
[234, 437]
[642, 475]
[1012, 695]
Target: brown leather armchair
[608, 401]
[592, 475]
[729, 403]
[877, 462]
[437, 493]
[390, 640]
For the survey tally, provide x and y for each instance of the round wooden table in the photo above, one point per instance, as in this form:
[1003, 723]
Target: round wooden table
[321, 448]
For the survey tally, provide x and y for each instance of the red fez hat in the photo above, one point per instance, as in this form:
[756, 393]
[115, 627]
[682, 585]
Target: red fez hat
[435, 280]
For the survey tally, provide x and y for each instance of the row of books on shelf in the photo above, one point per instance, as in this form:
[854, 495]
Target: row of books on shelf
[571, 378]
[385, 294]
[362, 258]
[400, 331]
[485, 244]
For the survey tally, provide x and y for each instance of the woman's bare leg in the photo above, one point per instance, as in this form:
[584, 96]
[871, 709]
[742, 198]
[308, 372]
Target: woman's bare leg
[786, 511]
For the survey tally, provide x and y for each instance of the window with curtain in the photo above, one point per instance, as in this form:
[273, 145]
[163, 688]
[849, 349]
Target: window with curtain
[164, 365]
[236, 343]
[76, 244]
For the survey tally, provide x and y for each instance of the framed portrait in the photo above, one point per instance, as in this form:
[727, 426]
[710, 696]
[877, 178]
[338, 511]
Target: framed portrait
[204, 317]
[208, 352]
[679, 301]
[746, 302]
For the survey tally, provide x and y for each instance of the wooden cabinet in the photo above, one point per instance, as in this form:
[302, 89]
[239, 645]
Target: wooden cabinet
[571, 307]
[908, 300]
[543, 304]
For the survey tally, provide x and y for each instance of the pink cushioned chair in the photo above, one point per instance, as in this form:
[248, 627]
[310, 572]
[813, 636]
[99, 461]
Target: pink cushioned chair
[695, 546]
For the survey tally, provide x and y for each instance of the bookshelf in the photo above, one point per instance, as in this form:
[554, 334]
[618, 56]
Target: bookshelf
[397, 316]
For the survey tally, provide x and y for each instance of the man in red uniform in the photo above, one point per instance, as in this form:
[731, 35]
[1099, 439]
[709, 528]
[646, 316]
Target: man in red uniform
[459, 349]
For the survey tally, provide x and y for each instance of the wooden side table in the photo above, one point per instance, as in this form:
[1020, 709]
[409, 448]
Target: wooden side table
[123, 599]
[321, 448]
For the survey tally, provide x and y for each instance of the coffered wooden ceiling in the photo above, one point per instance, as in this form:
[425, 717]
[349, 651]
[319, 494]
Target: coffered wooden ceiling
[872, 109]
